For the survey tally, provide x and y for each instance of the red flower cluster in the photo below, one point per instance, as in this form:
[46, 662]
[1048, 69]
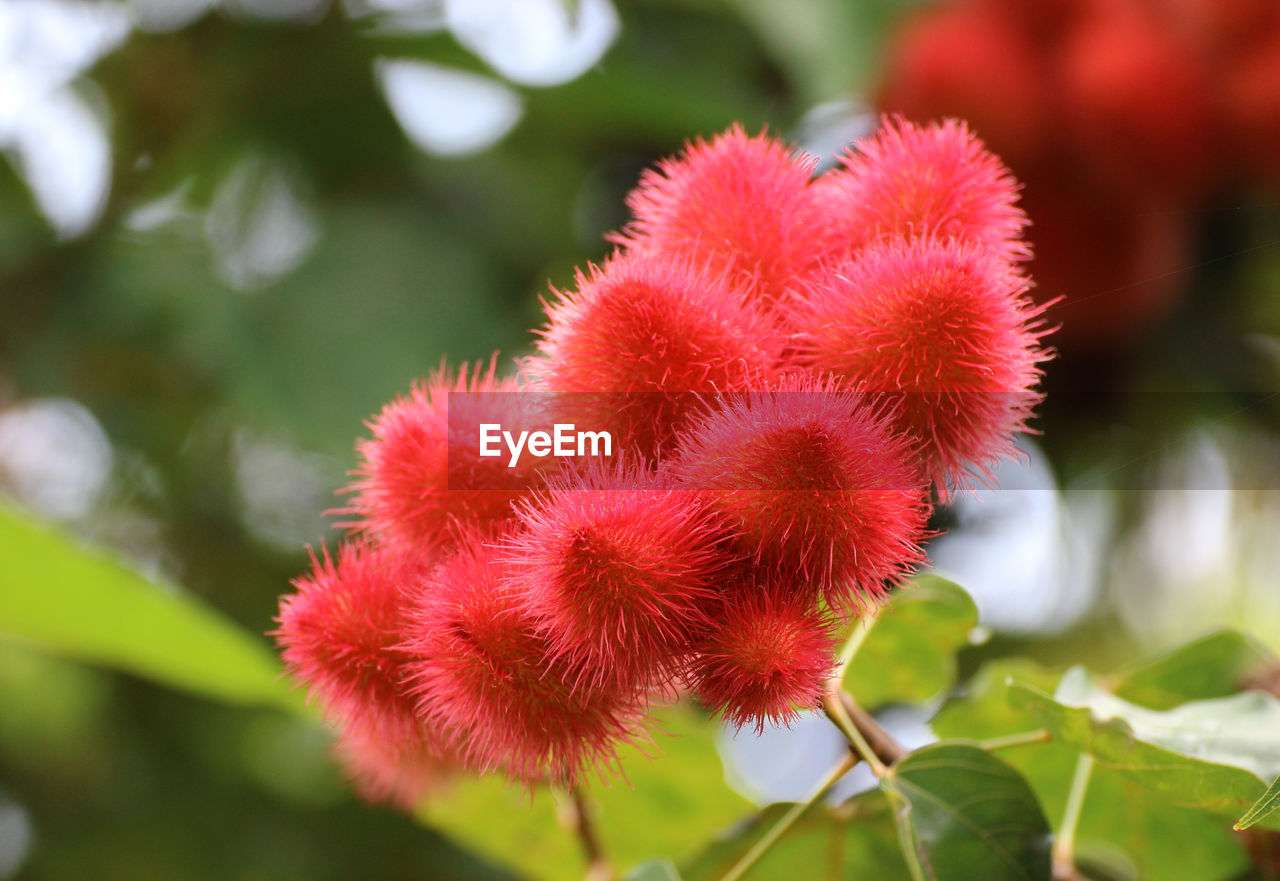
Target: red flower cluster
[790, 367]
[1121, 117]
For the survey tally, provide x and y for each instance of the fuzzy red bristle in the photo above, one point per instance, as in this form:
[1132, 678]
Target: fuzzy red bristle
[485, 678]
[638, 336]
[421, 478]
[942, 329]
[341, 631]
[739, 206]
[768, 658]
[911, 180]
[402, 773]
[621, 568]
[819, 489]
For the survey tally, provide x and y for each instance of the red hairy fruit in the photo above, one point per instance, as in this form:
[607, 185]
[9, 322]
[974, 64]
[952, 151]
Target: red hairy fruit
[975, 64]
[818, 488]
[738, 206]
[341, 633]
[621, 569]
[909, 180]
[486, 678]
[1223, 28]
[767, 658]
[1137, 104]
[421, 477]
[1251, 96]
[641, 333]
[945, 330]
[403, 773]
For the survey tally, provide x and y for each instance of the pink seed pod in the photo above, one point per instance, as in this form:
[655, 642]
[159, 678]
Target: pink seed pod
[421, 477]
[821, 492]
[622, 568]
[739, 206]
[767, 658]
[403, 773]
[340, 635]
[639, 338]
[942, 329]
[485, 677]
[910, 180]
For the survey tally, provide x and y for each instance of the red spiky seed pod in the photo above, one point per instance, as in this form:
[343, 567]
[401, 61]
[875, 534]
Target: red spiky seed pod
[340, 635]
[402, 773]
[622, 570]
[421, 477]
[818, 488]
[976, 64]
[767, 658]
[738, 206]
[638, 336]
[485, 677]
[942, 329]
[1138, 105]
[911, 180]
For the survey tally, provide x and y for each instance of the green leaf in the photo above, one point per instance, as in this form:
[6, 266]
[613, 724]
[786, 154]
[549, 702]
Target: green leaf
[653, 870]
[1263, 808]
[828, 47]
[1216, 665]
[1123, 824]
[909, 654]
[966, 814]
[68, 599]
[683, 779]
[856, 839]
[1206, 755]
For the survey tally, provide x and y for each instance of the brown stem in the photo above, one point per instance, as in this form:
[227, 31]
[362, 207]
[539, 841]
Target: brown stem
[579, 820]
[886, 749]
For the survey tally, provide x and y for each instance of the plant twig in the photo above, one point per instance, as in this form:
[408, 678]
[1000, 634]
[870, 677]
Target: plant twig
[785, 822]
[1064, 843]
[1021, 739]
[860, 630]
[577, 816]
[863, 732]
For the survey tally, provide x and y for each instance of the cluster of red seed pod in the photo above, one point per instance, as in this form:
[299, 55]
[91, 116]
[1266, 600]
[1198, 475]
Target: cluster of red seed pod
[793, 368]
[1122, 117]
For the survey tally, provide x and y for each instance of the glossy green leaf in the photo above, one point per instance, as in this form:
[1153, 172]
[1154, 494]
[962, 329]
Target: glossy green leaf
[653, 870]
[69, 599]
[1206, 755]
[1132, 830]
[856, 839]
[1217, 665]
[1265, 807]
[909, 654]
[683, 778]
[966, 814]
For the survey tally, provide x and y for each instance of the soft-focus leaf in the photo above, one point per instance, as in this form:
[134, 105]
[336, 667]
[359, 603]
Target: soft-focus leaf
[909, 654]
[856, 839]
[653, 870]
[1216, 665]
[829, 47]
[966, 814]
[1124, 825]
[634, 818]
[1205, 755]
[1265, 807]
[79, 602]
[1242, 730]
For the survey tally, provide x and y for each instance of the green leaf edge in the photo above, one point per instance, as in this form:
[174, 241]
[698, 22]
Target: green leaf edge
[1263, 808]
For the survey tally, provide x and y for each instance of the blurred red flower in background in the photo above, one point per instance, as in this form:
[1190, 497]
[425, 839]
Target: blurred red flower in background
[1121, 117]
